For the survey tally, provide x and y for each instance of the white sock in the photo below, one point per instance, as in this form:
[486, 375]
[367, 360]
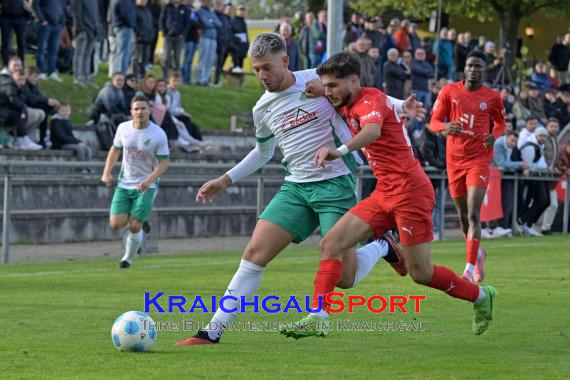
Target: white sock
[322, 314]
[367, 257]
[134, 241]
[244, 283]
[481, 296]
[469, 268]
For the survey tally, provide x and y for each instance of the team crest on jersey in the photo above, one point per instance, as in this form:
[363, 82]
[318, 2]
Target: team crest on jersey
[483, 106]
[436, 104]
[353, 123]
[296, 118]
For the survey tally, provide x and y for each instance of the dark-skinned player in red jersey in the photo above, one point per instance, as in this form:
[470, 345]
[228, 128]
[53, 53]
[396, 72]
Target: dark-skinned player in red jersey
[403, 198]
[464, 111]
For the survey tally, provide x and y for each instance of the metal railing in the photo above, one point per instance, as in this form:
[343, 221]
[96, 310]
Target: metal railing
[269, 174]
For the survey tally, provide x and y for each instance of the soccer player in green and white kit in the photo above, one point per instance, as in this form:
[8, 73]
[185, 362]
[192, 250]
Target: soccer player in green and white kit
[310, 196]
[145, 159]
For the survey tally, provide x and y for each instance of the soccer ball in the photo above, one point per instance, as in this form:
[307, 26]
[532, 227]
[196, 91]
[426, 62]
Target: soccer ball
[134, 331]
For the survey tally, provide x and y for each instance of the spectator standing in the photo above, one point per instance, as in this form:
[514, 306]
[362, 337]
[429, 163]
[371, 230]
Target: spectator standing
[224, 39]
[551, 151]
[462, 48]
[394, 75]
[62, 135]
[402, 37]
[421, 74]
[13, 17]
[123, 20]
[207, 45]
[415, 40]
[241, 40]
[443, 48]
[354, 29]
[305, 39]
[559, 57]
[155, 10]
[144, 34]
[293, 51]
[87, 29]
[174, 26]
[50, 16]
[319, 38]
[190, 45]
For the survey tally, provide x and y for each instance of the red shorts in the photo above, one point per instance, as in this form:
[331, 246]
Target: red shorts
[462, 179]
[410, 211]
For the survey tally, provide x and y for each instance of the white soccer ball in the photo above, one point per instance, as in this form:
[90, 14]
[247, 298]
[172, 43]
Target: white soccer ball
[134, 331]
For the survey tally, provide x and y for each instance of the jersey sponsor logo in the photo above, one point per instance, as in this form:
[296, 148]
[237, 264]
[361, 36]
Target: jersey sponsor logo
[483, 106]
[371, 115]
[296, 118]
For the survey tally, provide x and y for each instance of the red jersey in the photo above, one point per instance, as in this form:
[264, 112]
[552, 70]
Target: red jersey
[390, 156]
[474, 109]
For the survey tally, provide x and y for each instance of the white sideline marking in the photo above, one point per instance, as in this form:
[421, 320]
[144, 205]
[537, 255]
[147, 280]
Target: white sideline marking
[152, 266]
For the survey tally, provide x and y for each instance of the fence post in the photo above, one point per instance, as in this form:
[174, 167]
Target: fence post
[442, 198]
[260, 192]
[514, 222]
[566, 206]
[6, 216]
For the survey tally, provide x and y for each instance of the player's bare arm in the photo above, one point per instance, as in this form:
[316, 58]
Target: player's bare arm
[369, 133]
[112, 158]
[413, 108]
[160, 170]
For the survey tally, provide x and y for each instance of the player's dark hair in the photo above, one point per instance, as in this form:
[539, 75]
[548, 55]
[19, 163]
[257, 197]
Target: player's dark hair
[477, 54]
[341, 65]
[512, 133]
[140, 98]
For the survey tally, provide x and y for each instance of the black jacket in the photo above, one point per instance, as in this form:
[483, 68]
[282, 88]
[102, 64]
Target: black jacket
[394, 77]
[122, 13]
[422, 72]
[87, 18]
[11, 102]
[12, 9]
[144, 27]
[33, 97]
[62, 133]
[559, 56]
[52, 11]
[225, 33]
[174, 20]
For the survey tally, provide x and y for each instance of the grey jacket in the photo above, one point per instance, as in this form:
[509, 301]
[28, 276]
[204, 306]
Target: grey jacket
[87, 18]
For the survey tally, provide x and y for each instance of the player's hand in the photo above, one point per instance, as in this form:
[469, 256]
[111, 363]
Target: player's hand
[144, 185]
[453, 127]
[523, 165]
[413, 108]
[326, 154]
[314, 89]
[107, 179]
[489, 140]
[211, 188]
[526, 172]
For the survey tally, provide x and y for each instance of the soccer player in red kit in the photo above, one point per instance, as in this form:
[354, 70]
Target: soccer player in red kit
[403, 197]
[464, 110]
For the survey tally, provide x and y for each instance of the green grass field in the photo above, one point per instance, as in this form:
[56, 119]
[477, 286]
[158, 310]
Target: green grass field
[57, 317]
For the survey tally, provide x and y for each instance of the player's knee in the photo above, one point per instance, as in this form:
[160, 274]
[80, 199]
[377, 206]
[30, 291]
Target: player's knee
[473, 217]
[330, 247]
[117, 223]
[346, 282]
[135, 226]
[255, 255]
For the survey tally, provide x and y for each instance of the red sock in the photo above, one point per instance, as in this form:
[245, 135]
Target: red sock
[472, 249]
[328, 275]
[445, 280]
